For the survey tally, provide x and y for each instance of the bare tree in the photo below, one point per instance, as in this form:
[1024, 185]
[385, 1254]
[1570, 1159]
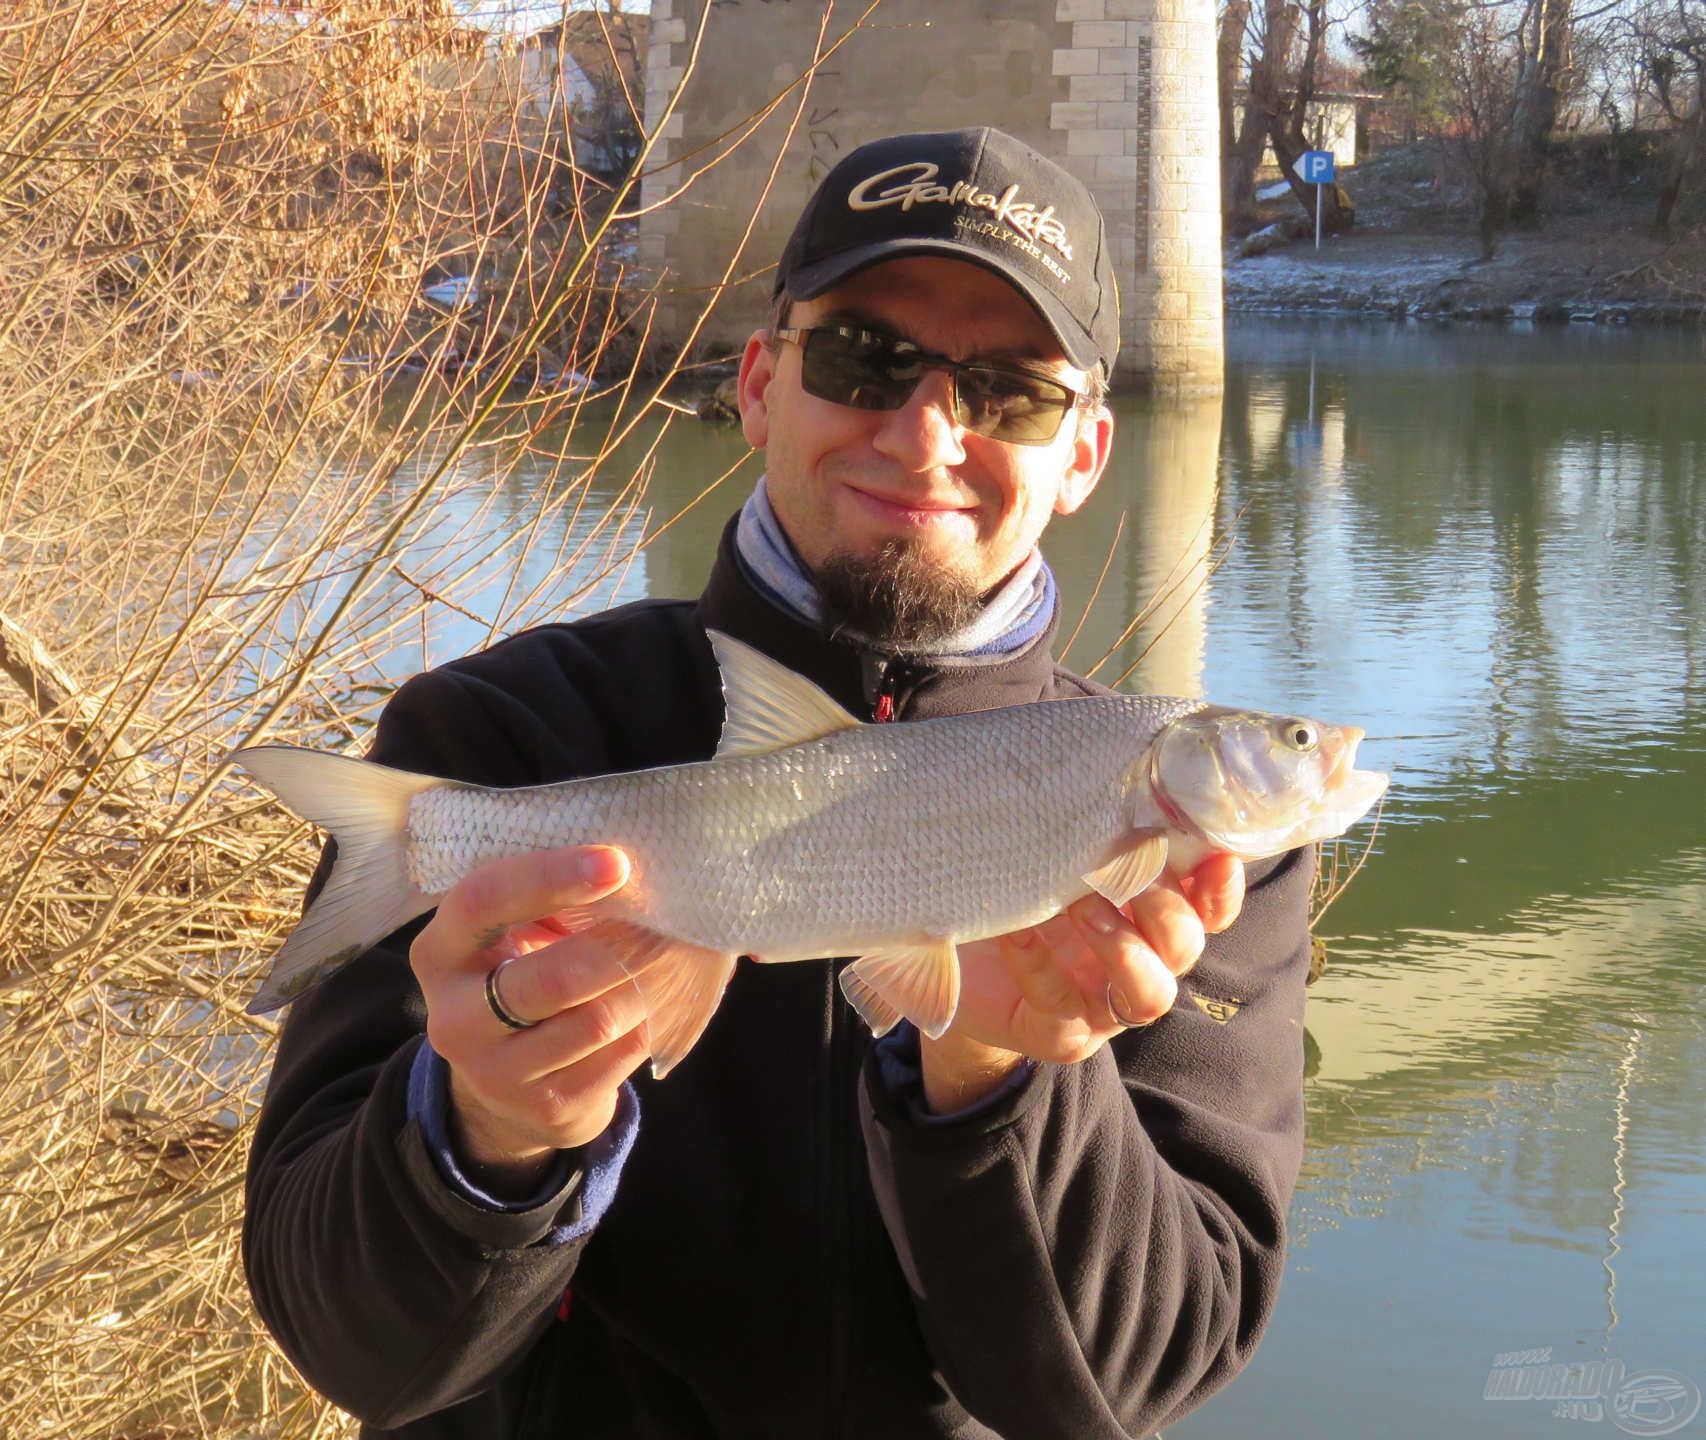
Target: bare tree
[1488, 79]
[1283, 45]
[1484, 66]
[1669, 38]
[1289, 122]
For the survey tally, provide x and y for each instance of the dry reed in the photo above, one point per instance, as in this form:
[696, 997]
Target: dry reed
[216, 222]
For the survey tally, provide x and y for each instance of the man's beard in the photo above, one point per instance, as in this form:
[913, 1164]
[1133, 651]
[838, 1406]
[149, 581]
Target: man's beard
[898, 600]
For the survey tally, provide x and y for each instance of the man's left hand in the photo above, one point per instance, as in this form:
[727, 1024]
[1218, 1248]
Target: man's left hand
[1061, 990]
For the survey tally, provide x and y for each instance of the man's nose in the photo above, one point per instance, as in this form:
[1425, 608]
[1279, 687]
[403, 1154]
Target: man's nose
[923, 433]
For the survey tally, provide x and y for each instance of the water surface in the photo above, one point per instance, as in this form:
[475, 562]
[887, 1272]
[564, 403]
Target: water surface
[1487, 543]
[1485, 546]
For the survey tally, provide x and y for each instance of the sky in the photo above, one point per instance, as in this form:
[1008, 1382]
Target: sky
[525, 15]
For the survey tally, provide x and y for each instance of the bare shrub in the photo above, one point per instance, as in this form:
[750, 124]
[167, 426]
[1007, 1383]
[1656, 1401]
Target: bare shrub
[216, 225]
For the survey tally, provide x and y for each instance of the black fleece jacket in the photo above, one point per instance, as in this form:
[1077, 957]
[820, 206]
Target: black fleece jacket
[792, 1250]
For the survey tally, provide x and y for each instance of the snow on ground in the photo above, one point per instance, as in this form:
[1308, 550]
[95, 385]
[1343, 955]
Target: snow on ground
[1430, 275]
[1414, 252]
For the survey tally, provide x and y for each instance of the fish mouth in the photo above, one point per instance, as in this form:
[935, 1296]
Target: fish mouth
[1349, 790]
[1343, 750]
[1361, 788]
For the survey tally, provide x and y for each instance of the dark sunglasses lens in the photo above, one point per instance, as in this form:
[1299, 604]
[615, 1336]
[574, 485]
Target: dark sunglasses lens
[1006, 405]
[870, 372]
[857, 369]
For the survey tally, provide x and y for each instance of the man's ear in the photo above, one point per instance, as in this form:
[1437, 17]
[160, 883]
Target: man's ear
[1092, 444]
[757, 370]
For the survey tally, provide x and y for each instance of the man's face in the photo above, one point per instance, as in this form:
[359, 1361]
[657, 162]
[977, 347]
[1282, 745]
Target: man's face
[845, 482]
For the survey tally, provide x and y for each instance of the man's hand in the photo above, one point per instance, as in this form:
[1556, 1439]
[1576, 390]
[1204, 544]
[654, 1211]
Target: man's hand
[1061, 990]
[518, 1096]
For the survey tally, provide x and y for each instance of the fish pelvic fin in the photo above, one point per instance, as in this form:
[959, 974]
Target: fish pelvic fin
[766, 705]
[919, 979]
[1133, 867]
[875, 1011]
[369, 892]
[681, 985]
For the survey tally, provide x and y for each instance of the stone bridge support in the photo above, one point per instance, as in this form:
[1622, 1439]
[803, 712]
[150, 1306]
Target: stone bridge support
[1121, 92]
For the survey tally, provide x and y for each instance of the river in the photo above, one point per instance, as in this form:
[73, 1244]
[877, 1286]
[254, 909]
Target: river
[1485, 546]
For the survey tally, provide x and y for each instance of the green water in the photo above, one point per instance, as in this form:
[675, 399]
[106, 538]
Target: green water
[1485, 547]
[1491, 543]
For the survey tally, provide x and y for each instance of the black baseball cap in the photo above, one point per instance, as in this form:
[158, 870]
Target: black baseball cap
[977, 195]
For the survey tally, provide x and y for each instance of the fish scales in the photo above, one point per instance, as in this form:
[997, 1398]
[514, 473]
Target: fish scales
[965, 826]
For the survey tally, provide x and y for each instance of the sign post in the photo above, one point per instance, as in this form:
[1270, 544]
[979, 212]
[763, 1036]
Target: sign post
[1316, 168]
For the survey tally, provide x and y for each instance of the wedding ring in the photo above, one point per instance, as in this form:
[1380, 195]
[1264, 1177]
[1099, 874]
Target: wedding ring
[495, 1001]
[1114, 1010]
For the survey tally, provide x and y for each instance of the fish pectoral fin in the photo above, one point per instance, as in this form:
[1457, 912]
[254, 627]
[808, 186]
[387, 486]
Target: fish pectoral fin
[918, 979]
[766, 705]
[680, 983]
[1141, 856]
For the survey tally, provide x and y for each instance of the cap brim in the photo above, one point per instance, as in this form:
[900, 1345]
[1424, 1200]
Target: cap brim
[809, 281]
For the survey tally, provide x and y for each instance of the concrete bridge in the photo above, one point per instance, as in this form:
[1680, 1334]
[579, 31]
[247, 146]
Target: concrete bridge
[1120, 92]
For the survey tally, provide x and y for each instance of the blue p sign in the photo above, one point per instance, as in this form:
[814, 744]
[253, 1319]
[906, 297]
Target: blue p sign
[1316, 167]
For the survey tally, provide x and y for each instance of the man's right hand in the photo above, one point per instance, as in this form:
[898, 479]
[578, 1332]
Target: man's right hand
[518, 1096]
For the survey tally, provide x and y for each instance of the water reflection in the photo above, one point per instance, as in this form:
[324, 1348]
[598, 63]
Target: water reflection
[1135, 564]
[1487, 544]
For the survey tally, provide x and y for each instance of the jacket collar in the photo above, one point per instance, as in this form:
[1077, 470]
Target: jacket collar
[852, 673]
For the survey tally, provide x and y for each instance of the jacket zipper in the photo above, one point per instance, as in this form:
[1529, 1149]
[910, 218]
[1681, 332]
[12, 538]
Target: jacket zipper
[883, 677]
[839, 1267]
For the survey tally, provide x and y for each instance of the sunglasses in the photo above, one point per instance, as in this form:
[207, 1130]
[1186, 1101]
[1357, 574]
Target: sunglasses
[868, 370]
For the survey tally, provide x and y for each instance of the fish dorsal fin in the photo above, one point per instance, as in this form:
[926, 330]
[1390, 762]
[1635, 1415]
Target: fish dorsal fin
[1132, 868]
[768, 706]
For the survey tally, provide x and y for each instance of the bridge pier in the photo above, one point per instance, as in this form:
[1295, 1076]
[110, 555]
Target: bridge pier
[1120, 92]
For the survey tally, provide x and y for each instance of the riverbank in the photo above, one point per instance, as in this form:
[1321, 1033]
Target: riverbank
[1416, 252]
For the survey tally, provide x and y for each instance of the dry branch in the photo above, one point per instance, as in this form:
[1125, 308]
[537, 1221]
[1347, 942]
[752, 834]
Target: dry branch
[56, 697]
[250, 472]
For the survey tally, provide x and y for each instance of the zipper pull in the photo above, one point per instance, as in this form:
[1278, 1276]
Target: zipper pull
[883, 675]
[895, 674]
[873, 678]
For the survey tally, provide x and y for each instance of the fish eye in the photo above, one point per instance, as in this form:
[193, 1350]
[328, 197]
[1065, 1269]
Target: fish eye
[1299, 734]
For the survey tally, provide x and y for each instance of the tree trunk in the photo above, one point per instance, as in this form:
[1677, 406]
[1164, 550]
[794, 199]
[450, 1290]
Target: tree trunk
[1535, 114]
[1239, 179]
[1229, 51]
[1288, 132]
[1686, 145]
[1264, 100]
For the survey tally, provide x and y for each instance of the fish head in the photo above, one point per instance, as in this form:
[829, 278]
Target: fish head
[1257, 784]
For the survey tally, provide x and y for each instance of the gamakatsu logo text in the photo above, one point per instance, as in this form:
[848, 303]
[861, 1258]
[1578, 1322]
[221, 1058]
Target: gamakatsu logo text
[1654, 1402]
[919, 187]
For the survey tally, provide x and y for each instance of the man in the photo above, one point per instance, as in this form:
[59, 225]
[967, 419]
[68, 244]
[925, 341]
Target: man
[1063, 1218]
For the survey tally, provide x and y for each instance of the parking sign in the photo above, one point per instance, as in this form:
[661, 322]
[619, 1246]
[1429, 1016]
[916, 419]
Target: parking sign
[1316, 167]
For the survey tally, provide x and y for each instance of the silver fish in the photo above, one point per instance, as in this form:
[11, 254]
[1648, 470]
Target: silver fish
[810, 834]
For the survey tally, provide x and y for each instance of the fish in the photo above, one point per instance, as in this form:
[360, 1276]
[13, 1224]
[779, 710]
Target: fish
[812, 834]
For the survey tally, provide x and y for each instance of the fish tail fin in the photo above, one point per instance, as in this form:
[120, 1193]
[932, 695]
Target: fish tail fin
[369, 892]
